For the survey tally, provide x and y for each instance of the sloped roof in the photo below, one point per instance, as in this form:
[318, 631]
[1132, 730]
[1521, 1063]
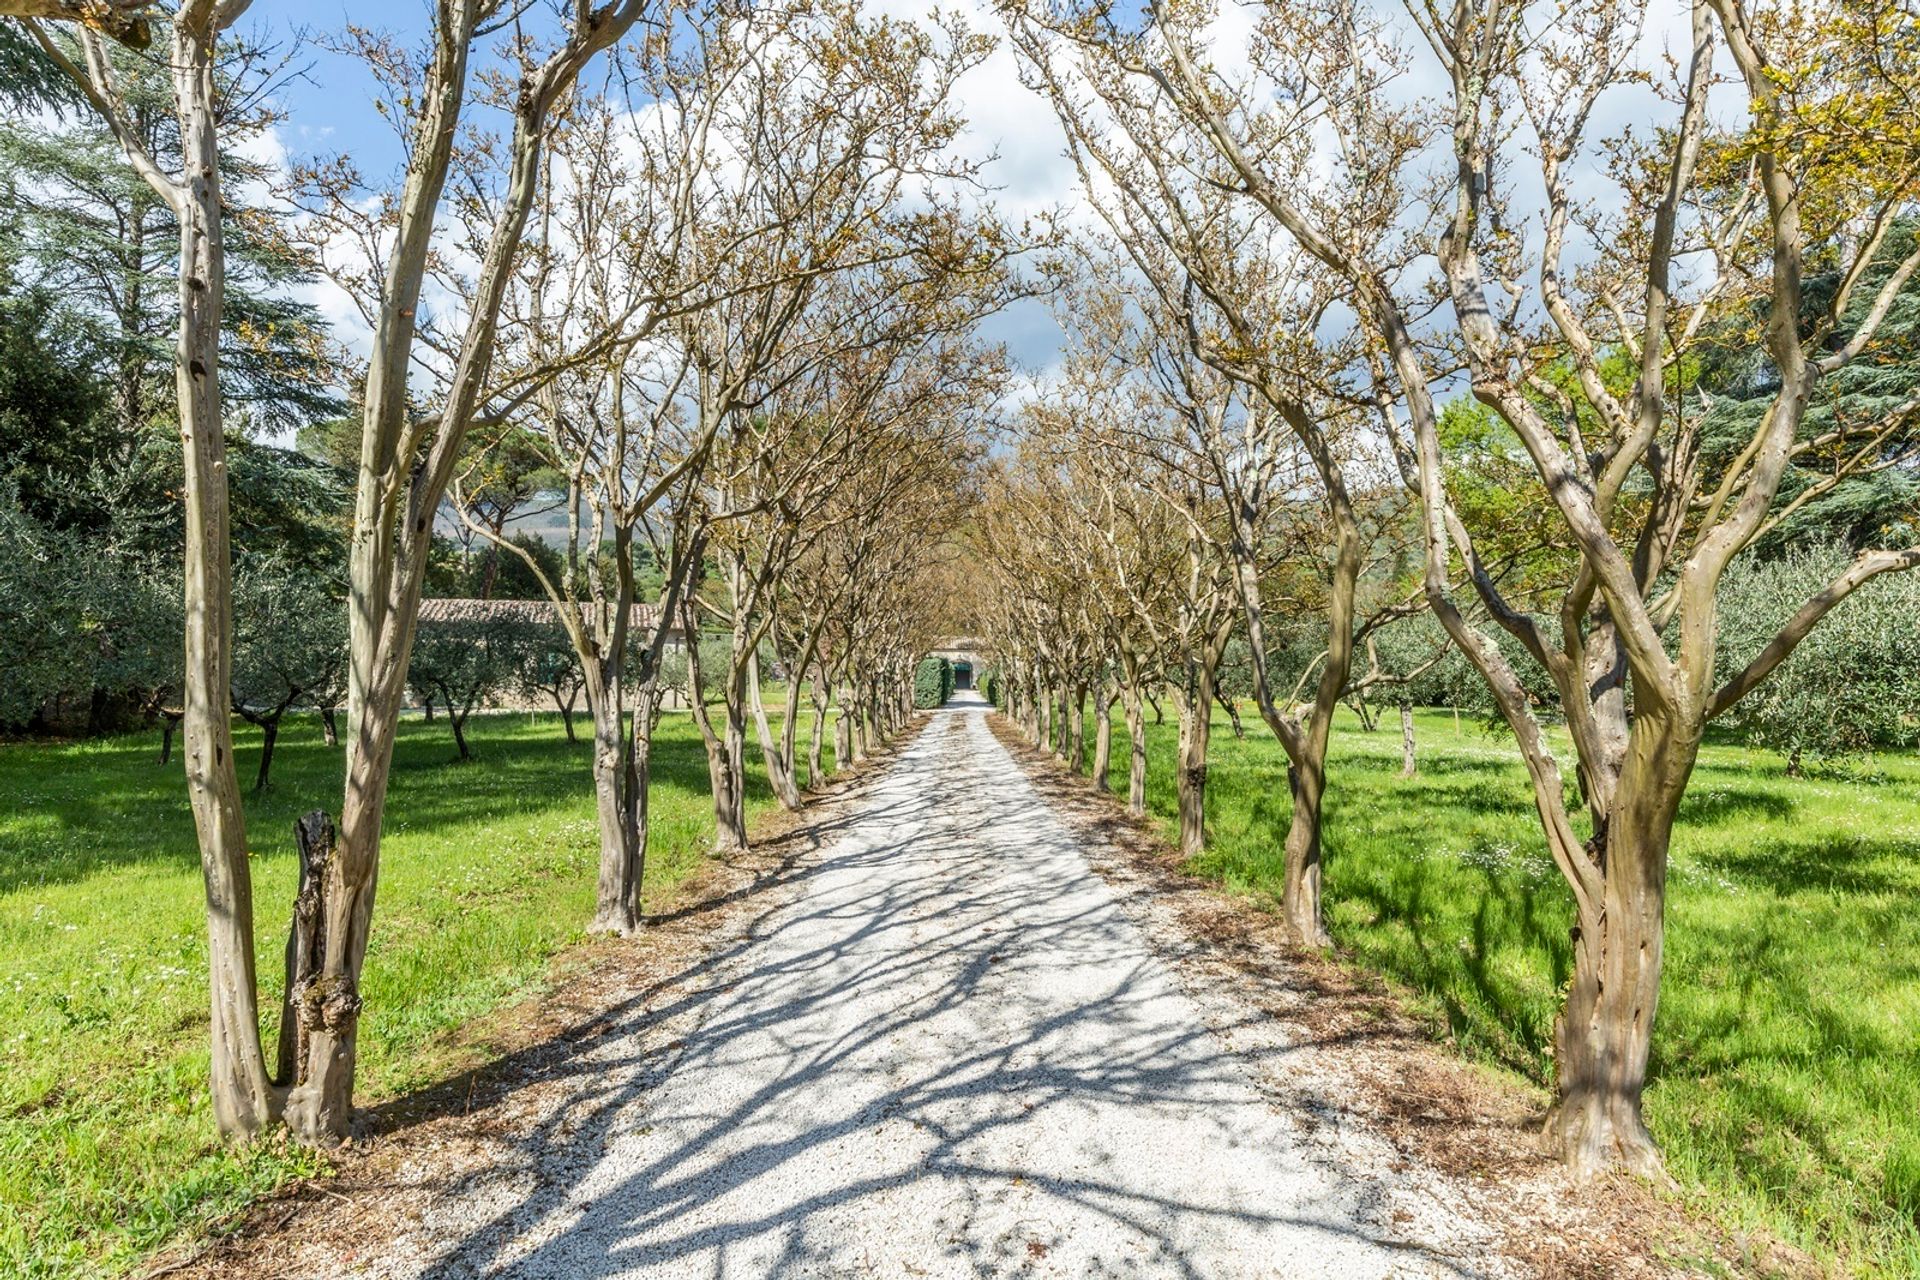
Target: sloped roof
[453, 609]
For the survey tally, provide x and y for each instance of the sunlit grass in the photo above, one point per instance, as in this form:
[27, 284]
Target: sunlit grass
[107, 1145]
[1786, 1072]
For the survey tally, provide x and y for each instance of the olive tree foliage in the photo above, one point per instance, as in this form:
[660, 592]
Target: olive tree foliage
[1488, 196]
[68, 629]
[464, 661]
[290, 647]
[1851, 686]
[546, 666]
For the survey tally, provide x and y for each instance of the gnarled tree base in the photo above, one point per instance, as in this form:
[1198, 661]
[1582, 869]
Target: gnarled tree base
[1595, 1131]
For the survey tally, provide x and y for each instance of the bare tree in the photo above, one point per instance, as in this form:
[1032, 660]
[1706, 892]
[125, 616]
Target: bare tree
[1698, 225]
[408, 458]
[245, 1100]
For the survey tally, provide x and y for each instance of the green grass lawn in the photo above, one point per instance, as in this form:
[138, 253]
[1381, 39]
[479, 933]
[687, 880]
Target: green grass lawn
[1786, 1060]
[107, 1146]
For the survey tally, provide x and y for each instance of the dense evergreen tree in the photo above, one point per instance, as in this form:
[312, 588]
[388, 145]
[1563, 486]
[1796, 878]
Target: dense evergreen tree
[79, 223]
[1872, 403]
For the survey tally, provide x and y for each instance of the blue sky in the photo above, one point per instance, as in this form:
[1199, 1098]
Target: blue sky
[330, 110]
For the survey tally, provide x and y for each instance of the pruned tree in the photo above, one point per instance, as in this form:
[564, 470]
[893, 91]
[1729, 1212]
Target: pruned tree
[245, 1100]
[1592, 367]
[464, 657]
[408, 457]
[548, 666]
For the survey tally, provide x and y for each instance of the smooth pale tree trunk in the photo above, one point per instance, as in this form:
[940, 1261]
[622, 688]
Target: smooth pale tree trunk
[816, 772]
[843, 754]
[1300, 899]
[777, 756]
[1408, 765]
[1604, 1031]
[1136, 752]
[853, 714]
[1196, 728]
[1102, 737]
[1077, 728]
[618, 810]
[726, 745]
[614, 890]
[244, 1101]
[637, 779]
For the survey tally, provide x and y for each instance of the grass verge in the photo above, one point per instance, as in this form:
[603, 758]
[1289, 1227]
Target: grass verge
[107, 1146]
[1785, 1084]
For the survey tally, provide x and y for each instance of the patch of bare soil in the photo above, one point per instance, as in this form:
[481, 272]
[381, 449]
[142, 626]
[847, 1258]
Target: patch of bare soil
[1335, 1042]
[509, 1071]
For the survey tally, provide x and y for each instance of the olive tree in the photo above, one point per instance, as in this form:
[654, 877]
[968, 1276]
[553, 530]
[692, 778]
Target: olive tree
[463, 657]
[290, 647]
[1851, 686]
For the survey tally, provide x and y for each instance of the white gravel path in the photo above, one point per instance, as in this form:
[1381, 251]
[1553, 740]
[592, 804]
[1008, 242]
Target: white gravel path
[950, 1052]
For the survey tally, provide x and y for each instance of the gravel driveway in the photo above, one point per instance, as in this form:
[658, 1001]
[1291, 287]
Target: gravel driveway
[949, 1052]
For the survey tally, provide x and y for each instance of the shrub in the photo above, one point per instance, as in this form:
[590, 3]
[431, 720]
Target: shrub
[1852, 685]
[932, 682]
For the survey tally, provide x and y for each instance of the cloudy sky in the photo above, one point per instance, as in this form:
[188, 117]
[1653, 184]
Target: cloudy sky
[330, 109]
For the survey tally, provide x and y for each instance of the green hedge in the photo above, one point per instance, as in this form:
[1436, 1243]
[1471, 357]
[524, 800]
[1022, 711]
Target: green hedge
[932, 682]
